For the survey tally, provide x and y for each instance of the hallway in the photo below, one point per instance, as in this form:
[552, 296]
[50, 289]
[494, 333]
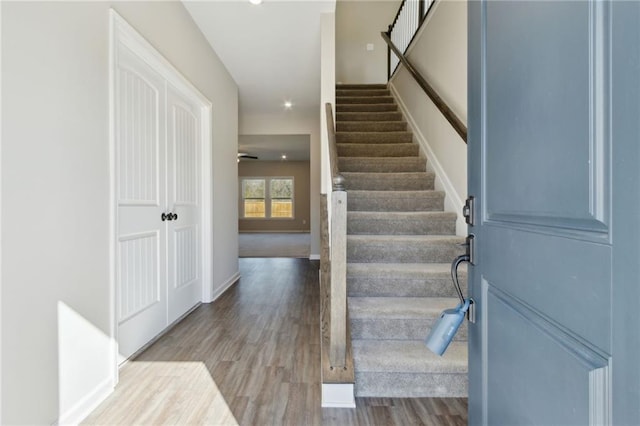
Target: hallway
[252, 358]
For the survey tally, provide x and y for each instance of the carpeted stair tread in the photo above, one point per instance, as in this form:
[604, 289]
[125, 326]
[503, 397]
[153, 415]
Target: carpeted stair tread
[365, 100]
[407, 269]
[407, 369]
[403, 279]
[408, 239]
[378, 164]
[398, 318]
[427, 200]
[408, 356]
[399, 307]
[374, 137]
[403, 248]
[350, 86]
[378, 150]
[411, 385]
[399, 223]
[371, 126]
[362, 92]
[395, 181]
[369, 116]
[367, 108]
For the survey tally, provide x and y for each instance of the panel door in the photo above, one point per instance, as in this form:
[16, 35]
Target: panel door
[183, 192]
[141, 295]
[553, 113]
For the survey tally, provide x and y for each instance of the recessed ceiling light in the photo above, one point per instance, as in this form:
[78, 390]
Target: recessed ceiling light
[255, 1]
[284, 156]
[288, 105]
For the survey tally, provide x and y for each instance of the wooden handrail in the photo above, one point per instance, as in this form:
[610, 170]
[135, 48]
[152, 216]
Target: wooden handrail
[451, 117]
[333, 148]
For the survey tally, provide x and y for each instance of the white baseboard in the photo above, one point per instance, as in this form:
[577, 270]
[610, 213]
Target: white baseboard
[338, 395]
[301, 231]
[314, 257]
[86, 405]
[452, 201]
[224, 287]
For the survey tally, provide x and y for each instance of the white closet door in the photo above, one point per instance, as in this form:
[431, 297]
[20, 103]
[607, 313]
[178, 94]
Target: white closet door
[183, 191]
[141, 293]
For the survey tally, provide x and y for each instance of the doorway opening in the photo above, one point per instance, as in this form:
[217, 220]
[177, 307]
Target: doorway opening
[274, 195]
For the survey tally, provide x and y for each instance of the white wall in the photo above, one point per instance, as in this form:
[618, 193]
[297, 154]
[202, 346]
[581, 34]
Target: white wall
[357, 24]
[327, 90]
[57, 356]
[440, 55]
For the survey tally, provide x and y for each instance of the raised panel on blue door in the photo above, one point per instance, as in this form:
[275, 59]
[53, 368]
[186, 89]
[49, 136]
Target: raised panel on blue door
[562, 278]
[547, 148]
[560, 368]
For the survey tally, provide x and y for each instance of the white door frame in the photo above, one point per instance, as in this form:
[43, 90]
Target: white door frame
[122, 33]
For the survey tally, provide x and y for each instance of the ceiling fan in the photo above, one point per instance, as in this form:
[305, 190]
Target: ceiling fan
[245, 155]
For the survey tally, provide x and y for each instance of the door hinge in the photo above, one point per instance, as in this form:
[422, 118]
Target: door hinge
[468, 211]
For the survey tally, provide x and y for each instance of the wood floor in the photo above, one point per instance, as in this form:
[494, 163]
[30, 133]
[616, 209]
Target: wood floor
[252, 358]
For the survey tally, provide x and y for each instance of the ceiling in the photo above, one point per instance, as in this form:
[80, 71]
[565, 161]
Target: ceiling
[272, 147]
[272, 50]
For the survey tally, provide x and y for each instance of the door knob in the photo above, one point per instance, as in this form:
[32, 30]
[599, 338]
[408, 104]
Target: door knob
[169, 216]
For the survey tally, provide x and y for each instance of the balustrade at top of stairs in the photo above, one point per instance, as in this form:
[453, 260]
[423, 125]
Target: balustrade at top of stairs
[400, 242]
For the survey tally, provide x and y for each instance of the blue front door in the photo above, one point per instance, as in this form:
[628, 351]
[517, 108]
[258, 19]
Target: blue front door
[554, 165]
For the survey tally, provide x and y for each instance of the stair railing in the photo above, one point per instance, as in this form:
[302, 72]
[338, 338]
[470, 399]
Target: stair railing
[337, 230]
[404, 27]
[448, 113]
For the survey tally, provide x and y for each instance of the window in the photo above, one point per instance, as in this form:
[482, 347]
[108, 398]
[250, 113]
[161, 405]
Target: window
[267, 198]
[281, 192]
[253, 197]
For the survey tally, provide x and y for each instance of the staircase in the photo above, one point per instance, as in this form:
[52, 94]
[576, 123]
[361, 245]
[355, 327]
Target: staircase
[400, 244]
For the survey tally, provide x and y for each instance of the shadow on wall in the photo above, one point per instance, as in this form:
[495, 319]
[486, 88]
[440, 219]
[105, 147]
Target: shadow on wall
[83, 351]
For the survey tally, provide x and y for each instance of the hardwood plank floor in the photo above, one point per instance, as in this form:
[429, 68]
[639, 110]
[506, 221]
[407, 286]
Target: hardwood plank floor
[252, 358]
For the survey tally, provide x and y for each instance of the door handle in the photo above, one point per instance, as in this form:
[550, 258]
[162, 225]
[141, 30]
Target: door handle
[169, 216]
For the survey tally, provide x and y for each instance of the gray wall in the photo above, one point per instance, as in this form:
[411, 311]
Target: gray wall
[55, 193]
[357, 24]
[300, 172]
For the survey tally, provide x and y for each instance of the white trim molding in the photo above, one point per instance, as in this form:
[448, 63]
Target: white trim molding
[224, 287]
[338, 395]
[87, 404]
[314, 256]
